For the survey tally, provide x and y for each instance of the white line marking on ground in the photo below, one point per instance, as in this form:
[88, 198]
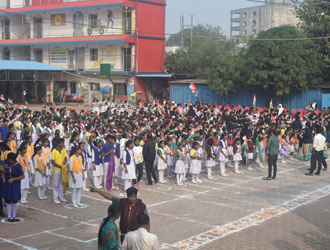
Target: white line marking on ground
[17, 244]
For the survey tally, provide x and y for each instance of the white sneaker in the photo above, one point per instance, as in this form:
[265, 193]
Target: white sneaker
[249, 168]
[283, 162]
[49, 188]
[194, 181]
[224, 175]
[210, 178]
[75, 205]
[261, 166]
[80, 204]
[237, 171]
[29, 192]
[41, 198]
[63, 200]
[57, 201]
[199, 181]
[45, 197]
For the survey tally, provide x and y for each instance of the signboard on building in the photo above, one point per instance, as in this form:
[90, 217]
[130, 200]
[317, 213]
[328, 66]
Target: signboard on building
[58, 19]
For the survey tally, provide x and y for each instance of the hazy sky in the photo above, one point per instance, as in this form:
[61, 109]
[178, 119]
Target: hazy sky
[215, 12]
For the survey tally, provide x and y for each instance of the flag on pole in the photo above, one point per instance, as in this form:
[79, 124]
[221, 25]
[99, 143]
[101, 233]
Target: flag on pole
[271, 104]
[2, 97]
[254, 101]
[10, 101]
[196, 93]
[192, 87]
[24, 92]
[22, 107]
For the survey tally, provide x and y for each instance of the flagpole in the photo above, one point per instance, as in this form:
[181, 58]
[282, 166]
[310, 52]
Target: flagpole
[23, 99]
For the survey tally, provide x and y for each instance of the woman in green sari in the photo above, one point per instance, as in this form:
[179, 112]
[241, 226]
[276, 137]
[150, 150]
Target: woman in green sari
[109, 236]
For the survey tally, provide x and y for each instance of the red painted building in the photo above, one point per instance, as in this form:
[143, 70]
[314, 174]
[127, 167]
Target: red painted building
[81, 35]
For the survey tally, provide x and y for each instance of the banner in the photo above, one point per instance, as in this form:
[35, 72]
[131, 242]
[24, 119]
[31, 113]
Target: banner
[58, 19]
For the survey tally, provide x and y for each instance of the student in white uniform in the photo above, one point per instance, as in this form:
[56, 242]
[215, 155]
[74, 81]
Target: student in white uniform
[23, 160]
[40, 173]
[210, 158]
[223, 154]
[129, 173]
[161, 162]
[237, 154]
[180, 164]
[46, 158]
[195, 165]
[76, 176]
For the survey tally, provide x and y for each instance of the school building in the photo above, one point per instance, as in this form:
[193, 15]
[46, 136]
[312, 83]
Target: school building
[83, 35]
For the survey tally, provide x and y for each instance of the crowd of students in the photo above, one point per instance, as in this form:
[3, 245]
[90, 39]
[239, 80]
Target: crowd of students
[111, 143]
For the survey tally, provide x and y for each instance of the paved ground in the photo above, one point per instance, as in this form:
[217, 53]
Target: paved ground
[240, 211]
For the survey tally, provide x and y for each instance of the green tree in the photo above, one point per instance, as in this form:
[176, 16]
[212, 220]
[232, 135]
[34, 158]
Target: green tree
[209, 58]
[283, 66]
[315, 21]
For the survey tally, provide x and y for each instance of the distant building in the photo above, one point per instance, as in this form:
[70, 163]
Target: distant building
[251, 21]
[81, 35]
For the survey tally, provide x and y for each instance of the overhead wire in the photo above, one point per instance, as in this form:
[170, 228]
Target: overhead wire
[235, 38]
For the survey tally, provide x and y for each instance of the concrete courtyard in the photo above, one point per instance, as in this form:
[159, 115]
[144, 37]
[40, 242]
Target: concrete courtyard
[240, 211]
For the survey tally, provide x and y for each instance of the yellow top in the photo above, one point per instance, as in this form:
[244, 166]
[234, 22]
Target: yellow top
[24, 162]
[40, 163]
[12, 145]
[45, 153]
[57, 158]
[77, 164]
[193, 153]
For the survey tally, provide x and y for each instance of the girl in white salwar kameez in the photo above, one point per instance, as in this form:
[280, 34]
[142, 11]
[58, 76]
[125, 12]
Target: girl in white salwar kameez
[23, 159]
[162, 161]
[210, 158]
[223, 154]
[180, 164]
[237, 154]
[76, 176]
[40, 173]
[196, 155]
[129, 172]
[46, 158]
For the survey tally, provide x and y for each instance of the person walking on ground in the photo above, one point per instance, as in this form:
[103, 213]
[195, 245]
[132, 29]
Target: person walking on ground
[317, 155]
[149, 154]
[130, 208]
[272, 150]
[141, 239]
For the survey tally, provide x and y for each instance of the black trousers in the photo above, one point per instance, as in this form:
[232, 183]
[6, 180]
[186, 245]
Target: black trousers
[139, 173]
[317, 156]
[272, 166]
[150, 171]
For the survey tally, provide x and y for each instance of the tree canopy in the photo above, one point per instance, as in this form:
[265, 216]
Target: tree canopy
[315, 21]
[282, 66]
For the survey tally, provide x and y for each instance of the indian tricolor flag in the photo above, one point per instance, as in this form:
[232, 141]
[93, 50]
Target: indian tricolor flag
[254, 101]
[192, 87]
[271, 104]
[2, 106]
[10, 101]
[22, 107]
[2, 97]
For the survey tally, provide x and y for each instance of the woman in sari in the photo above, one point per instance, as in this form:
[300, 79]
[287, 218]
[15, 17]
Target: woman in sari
[109, 236]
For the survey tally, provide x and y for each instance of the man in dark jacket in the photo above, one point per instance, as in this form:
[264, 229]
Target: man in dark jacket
[130, 208]
[149, 154]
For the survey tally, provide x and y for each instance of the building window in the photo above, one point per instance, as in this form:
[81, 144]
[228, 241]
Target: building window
[244, 32]
[6, 54]
[244, 15]
[27, 2]
[127, 60]
[93, 21]
[38, 55]
[255, 13]
[93, 54]
[254, 32]
[73, 89]
[244, 24]
[8, 4]
[254, 22]
[127, 21]
[121, 89]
